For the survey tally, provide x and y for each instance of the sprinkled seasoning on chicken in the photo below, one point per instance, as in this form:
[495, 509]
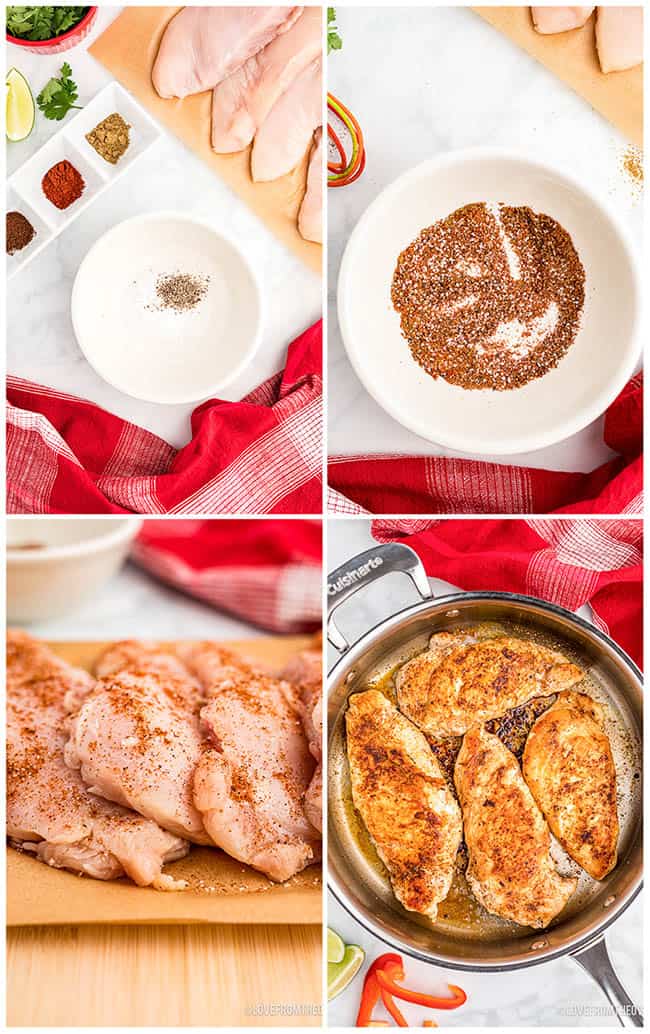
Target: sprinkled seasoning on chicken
[50, 812]
[305, 672]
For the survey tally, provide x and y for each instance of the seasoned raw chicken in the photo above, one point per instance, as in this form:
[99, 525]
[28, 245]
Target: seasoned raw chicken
[549, 20]
[619, 37]
[49, 810]
[462, 681]
[305, 671]
[136, 737]
[570, 772]
[510, 872]
[310, 217]
[286, 133]
[404, 800]
[203, 45]
[241, 102]
[250, 785]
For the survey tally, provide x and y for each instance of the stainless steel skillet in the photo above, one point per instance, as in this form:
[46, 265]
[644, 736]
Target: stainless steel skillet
[353, 877]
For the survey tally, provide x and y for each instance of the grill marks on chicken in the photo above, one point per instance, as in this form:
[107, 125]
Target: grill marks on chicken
[136, 737]
[404, 800]
[203, 45]
[569, 768]
[50, 812]
[250, 784]
[510, 872]
[461, 681]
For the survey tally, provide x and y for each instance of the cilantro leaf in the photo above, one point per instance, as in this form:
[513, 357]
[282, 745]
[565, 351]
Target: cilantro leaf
[42, 23]
[334, 41]
[58, 96]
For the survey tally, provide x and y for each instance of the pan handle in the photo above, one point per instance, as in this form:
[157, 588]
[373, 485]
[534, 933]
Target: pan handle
[596, 962]
[365, 568]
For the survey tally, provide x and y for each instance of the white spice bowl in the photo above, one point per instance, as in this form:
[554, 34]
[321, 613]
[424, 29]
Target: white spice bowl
[56, 564]
[152, 351]
[587, 379]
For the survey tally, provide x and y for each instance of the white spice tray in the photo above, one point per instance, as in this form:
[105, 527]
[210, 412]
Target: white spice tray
[24, 189]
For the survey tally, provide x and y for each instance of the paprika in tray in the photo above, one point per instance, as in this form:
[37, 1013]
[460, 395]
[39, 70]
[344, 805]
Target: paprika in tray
[63, 184]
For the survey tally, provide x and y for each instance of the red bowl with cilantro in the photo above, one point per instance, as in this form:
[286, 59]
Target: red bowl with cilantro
[56, 44]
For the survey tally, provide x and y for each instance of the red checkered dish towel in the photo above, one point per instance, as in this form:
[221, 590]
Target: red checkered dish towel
[436, 484]
[566, 561]
[260, 455]
[266, 572]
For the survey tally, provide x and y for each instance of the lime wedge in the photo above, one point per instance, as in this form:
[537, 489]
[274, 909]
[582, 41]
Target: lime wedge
[20, 106]
[339, 974]
[335, 947]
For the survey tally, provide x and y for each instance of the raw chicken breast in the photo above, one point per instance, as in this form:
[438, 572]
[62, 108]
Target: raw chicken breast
[619, 37]
[250, 786]
[549, 20]
[136, 738]
[305, 672]
[285, 134]
[310, 217]
[203, 45]
[49, 810]
[241, 102]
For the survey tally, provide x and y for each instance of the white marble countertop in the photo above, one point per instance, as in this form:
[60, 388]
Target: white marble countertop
[557, 994]
[40, 341]
[423, 81]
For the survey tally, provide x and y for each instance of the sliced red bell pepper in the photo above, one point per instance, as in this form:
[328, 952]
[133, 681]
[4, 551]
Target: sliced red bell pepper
[388, 983]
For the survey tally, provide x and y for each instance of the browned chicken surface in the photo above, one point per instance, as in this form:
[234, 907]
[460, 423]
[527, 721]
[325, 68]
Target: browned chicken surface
[50, 812]
[404, 800]
[305, 672]
[510, 872]
[570, 771]
[250, 783]
[461, 681]
[135, 737]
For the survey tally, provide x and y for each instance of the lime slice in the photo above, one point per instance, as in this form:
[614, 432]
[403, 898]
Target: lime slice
[339, 974]
[335, 947]
[20, 106]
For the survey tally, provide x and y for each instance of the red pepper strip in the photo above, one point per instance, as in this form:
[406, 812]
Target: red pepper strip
[387, 983]
[391, 1008]
[369, 998]
[342, 163]
[356, 165]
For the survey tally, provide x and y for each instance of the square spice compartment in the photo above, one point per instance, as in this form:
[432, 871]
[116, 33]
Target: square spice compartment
[28, 182]
[114, 99]
[43, 232]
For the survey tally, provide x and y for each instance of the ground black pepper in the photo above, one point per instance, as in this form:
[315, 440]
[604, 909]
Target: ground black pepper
[20, 232]
[489, 297]
[180, 291]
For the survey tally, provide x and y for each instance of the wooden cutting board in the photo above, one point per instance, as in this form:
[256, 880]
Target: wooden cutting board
[618, 96]
[138, 957]
[128, 49]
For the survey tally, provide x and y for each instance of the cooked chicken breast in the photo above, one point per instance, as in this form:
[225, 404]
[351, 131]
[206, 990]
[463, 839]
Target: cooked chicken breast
[619, 37]
[462, 681]
[570, 772]
[310, 217]
[136, 737]
[549, 20]
[250, 785]
[510, 872]
[286, 133]
[241, 102]
[49, 810]
[203, 45]
[404, 800]
[305, 672]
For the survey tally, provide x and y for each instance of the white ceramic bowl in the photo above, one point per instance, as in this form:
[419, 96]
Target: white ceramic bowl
[591, 374]
[157, 354]
[54, 564]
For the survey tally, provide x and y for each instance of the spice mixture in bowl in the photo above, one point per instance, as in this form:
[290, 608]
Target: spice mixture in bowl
[489, 297]
[166, 309]
[490, 303]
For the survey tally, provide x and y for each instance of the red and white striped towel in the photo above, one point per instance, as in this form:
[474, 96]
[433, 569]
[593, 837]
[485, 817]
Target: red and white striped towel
[437, 484]
[564, 560]
[265, 572]
[260, 455]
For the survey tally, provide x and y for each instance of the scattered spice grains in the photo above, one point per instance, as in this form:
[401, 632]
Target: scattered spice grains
[20, 232]
[490, 297]
[632, 165]
[180, 291]
[110, 138]
[62, 184]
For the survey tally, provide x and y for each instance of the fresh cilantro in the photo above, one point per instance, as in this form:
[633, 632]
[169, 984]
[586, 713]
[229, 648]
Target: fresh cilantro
[58, 95]
[41, 23]
[334, 41]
